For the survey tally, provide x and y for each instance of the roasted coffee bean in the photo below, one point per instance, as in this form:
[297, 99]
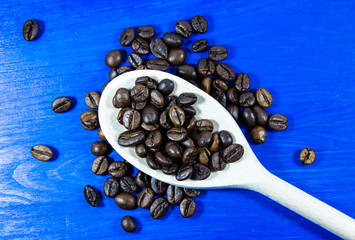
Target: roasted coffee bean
[150, 115]
[126, 201]
[159, 208]
[204, 139]
[307, 156]
[187, 71]
[135, 60]
[278, 122]
[158, 64]
[187, 207]
[141, 67]
[220, 97]
[131, 138]
[219, 85]
[111, 187]
[164, 120]
[128, 224]
[61, 104]
[100, 148]
[204, 125]
[158, 187]
[191, 124]
[205, 67]
[123, 69]
[262, 115]
[100, 165]
[42, 152]
[204, 156]
[189, 156]
[233, 109]
[247, 99]
[170, 169]
[258, 134]
[139, 93]
[199, 24]
[157, 99]
[139, 105]
[122, 98]
[217, 53]
[177, 116]
[140, 46]
[189, 111]
[92, 99]
[147, 81]
[158, 48]
[171, 101]
[91, 196]
[146, 31]
[111, 75]
[184, 172]
[121, 114]
[201, 171]
[89, 120]
[206, 84]
[174, 194]
[192, 193]
[249, 117]
[177, 134]
[142, 179]
[114, 58]
[232, 95]
[188, 143]
[145, 198]
[131, 119]
[150, 160]
[233, 153]
[162, 159]
[186, 99]
[214, 143]
[127, 37]
[30, 30]
[172, 39]
[225, 138]
[141, 150]
[101, 135]
[183, 28]
[118, 169]
[176, 56]
[217, 162]
[128, 184]
[225, 72]
[264, 97]
[173, 150]
[242, 84]
[200, 46]
[166, 86]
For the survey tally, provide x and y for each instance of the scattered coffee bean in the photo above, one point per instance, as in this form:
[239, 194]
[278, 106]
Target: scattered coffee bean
[249, 117]
[158, 64]
[220, 85]
[200, 46]
[201, 172]
[206, 84]
[158, 187]
[192, 193]
[128, 224]
[176, 56]
[242, 84]
[187, 207]
[307, 156]
[146, 31]
[199, 24]
[278, 122]
[30, 30]
[111, 187]
[127, 37]
[206, 67]
[158, 48]
[145, 198]
[217, 53]
[183, 28]
[114, 58]
[258, 134]
[91, 196]
[100, 165]
[187, 71]
[247, 99]
[126, 201]
[42, 152]
[101, 135]
[233, 109]
[141, 67]
[264, 97]
[172, 39]
[142, 179]
[221, 97]
[89, 120]
[118, 169]
[140, 46]
[92, 99]
[225, 72]
[61, 104]
[135, 60]
[128, 184]
[159, 208]
[174, 195]
[232, 95]
[261, 115]
[100, 148]
[184, 173]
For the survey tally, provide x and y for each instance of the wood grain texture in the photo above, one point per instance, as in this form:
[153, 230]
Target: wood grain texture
[303, 52]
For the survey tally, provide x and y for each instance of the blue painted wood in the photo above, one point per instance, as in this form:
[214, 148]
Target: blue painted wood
[302, 51]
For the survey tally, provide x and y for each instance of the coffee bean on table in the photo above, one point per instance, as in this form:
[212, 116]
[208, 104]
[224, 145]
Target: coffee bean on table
[205, 67]
[307, 156]
[158, 64]
[201, 172]
[233, 153]
[166, 86]
[183, 28]
[220, 85]
[111, 75]
[142, 179]
[217, 53]
[158, 48]
[128, 224]
[206, 84]
[186, 99]
[176, 56]
[192, 193]
[101, 135]
[172, 39]
[91, 196]
[264, 97]
[278, 122]
[242, 84]
[174, 194]
[258, 134]
[187, 207]
[177, 134]
[114, 58]
[121, 98]
[233, 109]
[177, 116]
[146, 31]
[118, 169]
[225, 72]
[92, 99]
[111, 187]
[232, 95]
[127, 37]
[249, 117]
[261, 115]
[200, 46]
[135, 60]
[123, 69]
[100, 148]
[128, 184]
[140, 46]
[184, 172]
[204, 125]
[159, 208]
[247, 99]
[89, 120]
[61, 104]
[187, 71]
[145, 198]
[126, 201]
[131, 119]
[221, 97]
[42, 152]
[30, 30]
[217, 162]
[100, 165]
[199, 24]
[158, 187]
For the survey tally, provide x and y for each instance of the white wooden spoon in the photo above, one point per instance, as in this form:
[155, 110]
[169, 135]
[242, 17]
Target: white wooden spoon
[246, 173]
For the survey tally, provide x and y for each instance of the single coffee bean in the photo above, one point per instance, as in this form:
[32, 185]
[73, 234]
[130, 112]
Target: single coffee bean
[225, 138]
[200, 46]
[204, 156]
[199, 24]
[111, 187]
[171, 101]
[278, 122]
[307, 156]
[159, 208]
[184, 172]
[145, 198]
[232, 95]
[264, 97]
[118, 169]
[188, 143]
[247, 99]
[215, 143]
[126, 201]
[138, 105]
[166, 86]
[189, 156]
[164, 120]
[174, 194]
[61, 104]
[30, 30]
[217, 53]
[123, 69]
[242, 84]
[147, 81]
[135, 60]
[187, 207]
[114, 58]
[205, 67]
[158, 48]
[233, 109]
[127, 37]
[91, 196]
[191, 124]
[204, 125]
[183, 28]
[150, 115]
[206, 84]
[258, 134]
[146, 31]
[128, 184]
[100, 165]
[187, 71]
[101, 135]
[131, 119]
[131, 138]
[100, 148]
[150, 160]
[89, 120]
[139, 93]
[233, 153]
[220, 97]
[140, 46]
[122, 98]
[128, 224]
[121, 114]
[192, 193]
[172, 39]
[177, 116]
[170, 169]
[142, 179]
[141, 150]
[249, 117]
[141, 67]
[204, 139]
[186, 99]
[201, 172]
[42, 152]
[177, 134]
[261, 115]
[92, 99]
[219, 85]
[158, 187]
[158, 64]
[111, 75]
[217, 162]
[176, 56]
[157, 99]
[173, 150]
[225, 72]
[154, 139]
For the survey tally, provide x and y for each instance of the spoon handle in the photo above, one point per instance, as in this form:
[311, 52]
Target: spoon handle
[305, 205]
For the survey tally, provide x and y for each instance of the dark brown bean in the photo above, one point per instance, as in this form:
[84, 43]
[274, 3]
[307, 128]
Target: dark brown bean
[131, 138]
[192, 193]
[92, 99]
[145, 198]
[217, 53]
[242, 84]
[225, 72]
[185, 172]
[61, 104]
[183, 28]
[201, 172]
[233, 153]
[247, 99]
[89, 120]
[127, 37]
[140, 46]
[200, 46]
[187, 207]
[135, 60]
[126, 201]
[159, 208]
[278, 122]
[42, 152]
[91, 196]
[258, 134]
[217, 162]
[118, 169]
[174, 194]
[114, 58]
[177, 134]
[158, 187]
[30, 30]
[172, 39]
[146, 31]
[264, 97]
[128, 224]
[100, 165]
[122, 98]
[142, 179]
[205, 67]
[199, 24]
[261, 115]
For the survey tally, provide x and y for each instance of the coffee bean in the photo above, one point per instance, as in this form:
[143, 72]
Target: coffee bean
[220, 97]
[128, 184]
[249, 117]
[170, 169]
[158, 48]
[264, 97]
[138, 105]
[172, 39]
[131, 138]
[247, 99]
[261, 115]
[192, 193]
[204, 155]
[233, 109]
[142, 179]
[118, 169]
[233, 153]
[140, 46]
[177, 116]
[201, 172]
[205, 67]
[164, 120]
[89, 120]
[174, 194]
[258, 134]
[157, 99]
[189, 156]
[126, 201]
[141, 150]
[61, 104]
[217, 162]
[242, 84]
[278, 122]
[122, 98]
[135, 60]
[185, 172]
[187, 207]
[128, 224]
[92, 99]
[225, 138]
[146, 31]
[141, 67]
[150, 114]
[232, 95]
[171, 101]
[204, 139]
[114, 58]
[150, 160]
[158, 64]
[139, 93]
[307, 156]
[100, 165]
[154, 139]
[219, 85]
[176, 56]
[188, 143]
[204, 125]
[177, 134]
[217, 53]
[183, 28]
[206, 84]
[111, 75]
[91, 196]
[42, 152]
[131, 119]
[127, 37]
[123, 69]
[158, 187]
[186, 99]
[145, 198]
[159, 208]
[121, 114]
[173, 150]
[166, 87]
[111, 187]
[225, 72]
[147, 81]
[30, 30]
[191, 124]
[215, 143]
[101, 135]
[100, 148]
[187, 71]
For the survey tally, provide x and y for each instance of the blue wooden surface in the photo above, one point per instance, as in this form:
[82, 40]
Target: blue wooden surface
[302, 51]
